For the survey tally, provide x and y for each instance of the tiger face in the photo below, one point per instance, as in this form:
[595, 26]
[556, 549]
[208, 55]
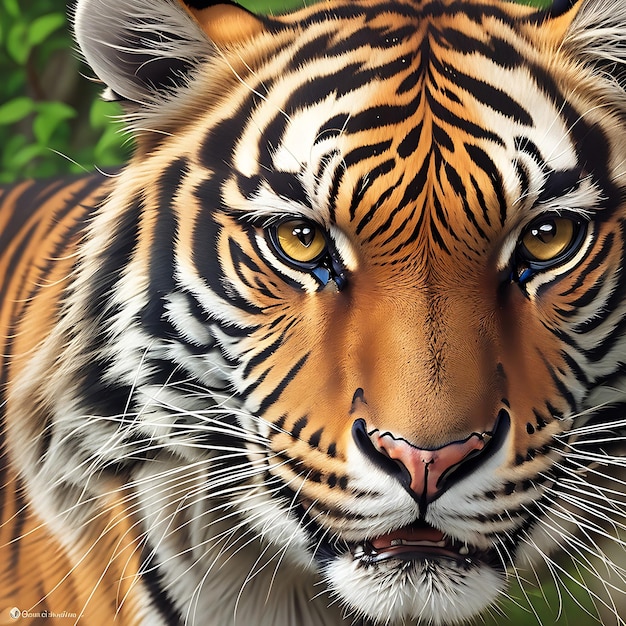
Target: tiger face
[349, 325]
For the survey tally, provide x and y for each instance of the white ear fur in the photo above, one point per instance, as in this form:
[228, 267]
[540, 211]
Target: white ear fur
[597, 34]
[139, 48]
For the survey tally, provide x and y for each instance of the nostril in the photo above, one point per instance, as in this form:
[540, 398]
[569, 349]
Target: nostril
[383, 461]
[496, 438]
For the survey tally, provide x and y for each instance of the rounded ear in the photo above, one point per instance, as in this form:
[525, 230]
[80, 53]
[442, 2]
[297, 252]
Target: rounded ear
[558, 17]
[226, 23]
[143, 49]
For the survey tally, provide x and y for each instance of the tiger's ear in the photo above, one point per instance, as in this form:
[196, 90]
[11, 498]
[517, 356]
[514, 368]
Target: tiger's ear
[225, 22]
[143, 48]
[593, 31]
[557, 19]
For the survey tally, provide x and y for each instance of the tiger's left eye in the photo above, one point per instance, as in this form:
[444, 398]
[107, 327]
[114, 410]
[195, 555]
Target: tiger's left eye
[549, 239]
[300, 241]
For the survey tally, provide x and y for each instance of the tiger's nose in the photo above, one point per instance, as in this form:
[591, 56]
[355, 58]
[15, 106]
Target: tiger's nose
[424, 472]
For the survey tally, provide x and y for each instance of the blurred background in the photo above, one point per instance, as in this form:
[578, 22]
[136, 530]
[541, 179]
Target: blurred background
[51, 119]
[52, 123]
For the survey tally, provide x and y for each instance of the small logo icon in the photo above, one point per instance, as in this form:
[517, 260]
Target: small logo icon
[15, 612]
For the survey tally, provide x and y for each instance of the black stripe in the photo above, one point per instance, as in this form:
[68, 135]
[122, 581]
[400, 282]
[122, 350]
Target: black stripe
[217, 150]
[27, 204]
[113, 260]
[448, 117]
[493, 97]
[152, 579]
[311, 49]
[410, 142]
[558, 183]
[457, 184]
[440, 212]
[282, 385]
[287, 185]
[331, 128]
[563, 391]
[91, 183]
[476, 13]
[495, 48]
[261, 356]
[299, 426]
[333, 192]
[592, 264]
[206, 236]
[162, 264]
[612, 304]
[484, 162]
[373, 38]
[437, 238]
[241, 260]
[441, 138]
[14, 264]
[575, 367]
[367, 218]
[72, 229]
[366, 182]
[381, 116]
[480, 198]
[412, 192]
[589, 295]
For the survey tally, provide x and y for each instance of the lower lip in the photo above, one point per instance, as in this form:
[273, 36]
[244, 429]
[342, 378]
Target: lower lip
[410, 552]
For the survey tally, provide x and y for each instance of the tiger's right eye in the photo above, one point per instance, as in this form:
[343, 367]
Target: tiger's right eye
[548, 239]
[300, 241]
[548, 242]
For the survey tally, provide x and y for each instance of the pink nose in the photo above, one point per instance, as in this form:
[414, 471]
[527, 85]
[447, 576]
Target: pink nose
[427, 467]
[426, 473]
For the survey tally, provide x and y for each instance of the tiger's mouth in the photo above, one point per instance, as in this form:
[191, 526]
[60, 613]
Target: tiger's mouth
[420, 542]
[417, 542]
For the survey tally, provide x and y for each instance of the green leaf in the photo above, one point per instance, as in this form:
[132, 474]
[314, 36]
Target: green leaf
[9, 148]
[13, 83]
[18, 45]
[50, 115]
[27, 154]
[270, 6]
[107, 145]
[42, 27]
[12, 7]
[102, 114]
[16, 110]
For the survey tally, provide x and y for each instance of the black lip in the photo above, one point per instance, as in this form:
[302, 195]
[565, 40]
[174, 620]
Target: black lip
[366, 554]
[498, 437]
[327, 551]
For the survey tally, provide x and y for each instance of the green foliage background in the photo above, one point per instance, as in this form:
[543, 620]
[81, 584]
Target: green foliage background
[52, 122]
[51, 118]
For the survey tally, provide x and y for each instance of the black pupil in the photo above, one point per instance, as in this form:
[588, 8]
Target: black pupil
[305, 234]
[546, 232]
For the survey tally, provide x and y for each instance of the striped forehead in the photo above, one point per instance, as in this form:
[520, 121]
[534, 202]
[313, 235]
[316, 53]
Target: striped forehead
[394, 116]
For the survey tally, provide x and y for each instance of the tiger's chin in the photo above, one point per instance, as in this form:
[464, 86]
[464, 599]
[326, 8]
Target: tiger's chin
[438, 581]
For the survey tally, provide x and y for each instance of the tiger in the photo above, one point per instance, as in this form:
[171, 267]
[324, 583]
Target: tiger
[343, 342]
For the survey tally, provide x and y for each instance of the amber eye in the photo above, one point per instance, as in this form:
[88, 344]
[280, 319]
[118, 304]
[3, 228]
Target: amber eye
[549, 238]
[300, 241]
